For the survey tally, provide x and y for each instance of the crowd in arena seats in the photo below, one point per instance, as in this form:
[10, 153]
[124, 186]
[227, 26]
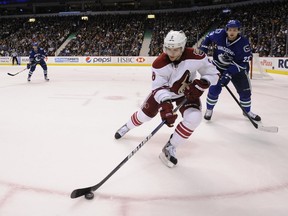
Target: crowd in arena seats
[265, 24]
[193, 24]
[8, 27]
[272, 23]
[109, 35]
[49, 32]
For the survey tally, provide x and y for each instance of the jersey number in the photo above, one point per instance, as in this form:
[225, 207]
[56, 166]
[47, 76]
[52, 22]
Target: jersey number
[246, 59]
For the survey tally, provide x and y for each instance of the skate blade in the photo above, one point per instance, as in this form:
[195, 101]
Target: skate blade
[166, 161]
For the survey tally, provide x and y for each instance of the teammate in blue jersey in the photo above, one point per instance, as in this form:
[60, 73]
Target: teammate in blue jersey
[37, 56]
[231, 56]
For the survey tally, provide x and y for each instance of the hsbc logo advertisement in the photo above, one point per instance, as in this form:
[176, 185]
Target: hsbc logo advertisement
[130, 59]
[125, 59]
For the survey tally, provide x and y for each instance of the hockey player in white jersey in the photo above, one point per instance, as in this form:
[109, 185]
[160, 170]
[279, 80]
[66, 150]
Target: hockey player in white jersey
[173, 78]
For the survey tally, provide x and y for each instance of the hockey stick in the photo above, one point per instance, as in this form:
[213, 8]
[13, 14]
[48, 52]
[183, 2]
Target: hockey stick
[272, 129]
[21, 70]
[17, 72]
[83, 191]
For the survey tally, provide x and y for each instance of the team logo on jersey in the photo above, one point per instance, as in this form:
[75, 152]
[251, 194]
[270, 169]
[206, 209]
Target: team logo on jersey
[88, 59]
[246, 48]
[39, 57]
[180, 85]
[225, 58]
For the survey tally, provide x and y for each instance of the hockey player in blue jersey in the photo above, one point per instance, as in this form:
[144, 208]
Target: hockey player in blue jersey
[231, 56]
[37, 56]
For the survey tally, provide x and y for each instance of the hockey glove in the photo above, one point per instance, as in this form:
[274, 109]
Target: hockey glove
[225, 78]
[194, 90]
[28, 66]
[166, 112]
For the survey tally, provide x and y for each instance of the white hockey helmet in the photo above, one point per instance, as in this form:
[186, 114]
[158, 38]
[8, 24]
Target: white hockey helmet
[175, 39]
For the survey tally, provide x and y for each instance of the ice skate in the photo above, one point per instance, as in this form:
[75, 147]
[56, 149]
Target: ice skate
[208, 114]
[46, 78]
[29, 78]
[121, 132]
[253, 116]
[168, 155]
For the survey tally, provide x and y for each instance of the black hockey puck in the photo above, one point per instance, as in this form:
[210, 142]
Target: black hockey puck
[89, 196]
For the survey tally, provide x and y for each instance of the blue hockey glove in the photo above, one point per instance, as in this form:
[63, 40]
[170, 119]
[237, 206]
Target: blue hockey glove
[28, 66]
[225, 78]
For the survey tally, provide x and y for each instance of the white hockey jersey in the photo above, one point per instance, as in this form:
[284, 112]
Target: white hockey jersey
[169, 79]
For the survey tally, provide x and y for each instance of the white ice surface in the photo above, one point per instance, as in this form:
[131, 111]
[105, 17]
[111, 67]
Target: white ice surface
[58, 136]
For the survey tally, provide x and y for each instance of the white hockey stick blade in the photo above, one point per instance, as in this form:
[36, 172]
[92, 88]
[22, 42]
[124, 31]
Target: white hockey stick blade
[271, 129]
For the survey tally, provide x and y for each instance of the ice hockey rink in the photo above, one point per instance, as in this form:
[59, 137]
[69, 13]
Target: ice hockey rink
[58, 136]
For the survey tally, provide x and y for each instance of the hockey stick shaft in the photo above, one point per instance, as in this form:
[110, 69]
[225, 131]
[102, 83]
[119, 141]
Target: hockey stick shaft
[82, 191]
[21, 70]
[17, 72]
[257, 126]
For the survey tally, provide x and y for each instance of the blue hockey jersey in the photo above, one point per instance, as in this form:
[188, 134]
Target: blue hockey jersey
[37, 56]
[228, 56]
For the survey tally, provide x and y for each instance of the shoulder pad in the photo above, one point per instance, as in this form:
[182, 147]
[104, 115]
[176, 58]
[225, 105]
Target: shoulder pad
[161, 61]
[218, 31]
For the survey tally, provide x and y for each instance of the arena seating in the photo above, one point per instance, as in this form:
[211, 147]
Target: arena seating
[264, 24]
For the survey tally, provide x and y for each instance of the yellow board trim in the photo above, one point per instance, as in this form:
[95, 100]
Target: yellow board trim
[277, 71]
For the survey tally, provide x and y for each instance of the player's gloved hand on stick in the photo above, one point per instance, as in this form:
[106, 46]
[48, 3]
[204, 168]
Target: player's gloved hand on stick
[166, 112]
[225, 78]
[195, 89]
[28, 65]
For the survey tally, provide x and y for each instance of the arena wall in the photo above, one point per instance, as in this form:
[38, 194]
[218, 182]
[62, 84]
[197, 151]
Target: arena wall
[269, 64]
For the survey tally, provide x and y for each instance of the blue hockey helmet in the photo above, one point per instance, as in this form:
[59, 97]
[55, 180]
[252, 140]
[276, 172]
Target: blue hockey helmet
[233, 24]
[35, 44]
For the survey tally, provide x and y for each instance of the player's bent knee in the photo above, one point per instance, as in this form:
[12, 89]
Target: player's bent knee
[143, 117]
[215, 90]
[192, 118]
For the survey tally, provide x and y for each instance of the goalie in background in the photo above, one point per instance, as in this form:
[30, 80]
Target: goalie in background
[173, 78]
[231, 56]
[37, 56]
